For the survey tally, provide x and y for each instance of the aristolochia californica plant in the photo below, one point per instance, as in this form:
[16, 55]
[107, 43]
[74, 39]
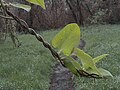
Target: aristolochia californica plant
[66, 43]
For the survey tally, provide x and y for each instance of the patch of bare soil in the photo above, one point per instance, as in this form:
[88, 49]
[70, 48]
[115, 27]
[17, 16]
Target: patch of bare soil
[62, 79]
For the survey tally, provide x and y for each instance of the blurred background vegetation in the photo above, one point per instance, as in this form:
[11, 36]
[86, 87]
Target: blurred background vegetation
[58, 13]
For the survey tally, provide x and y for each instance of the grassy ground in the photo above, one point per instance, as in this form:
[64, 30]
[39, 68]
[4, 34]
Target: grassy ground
[25, 68]
[29, 67]
[103, 39]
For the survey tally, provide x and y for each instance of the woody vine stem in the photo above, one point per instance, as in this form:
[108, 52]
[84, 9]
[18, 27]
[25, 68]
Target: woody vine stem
[31, 31]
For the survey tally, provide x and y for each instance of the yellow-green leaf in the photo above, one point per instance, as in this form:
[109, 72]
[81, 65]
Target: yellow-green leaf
[38, 2]
[72, 65]
[75, 63]
[105, 73]
[91, 71]
[99, 58]
[86, 59]
[22, 6]
[67, 38]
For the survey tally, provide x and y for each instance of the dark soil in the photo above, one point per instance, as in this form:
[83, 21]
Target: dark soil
[62, 79]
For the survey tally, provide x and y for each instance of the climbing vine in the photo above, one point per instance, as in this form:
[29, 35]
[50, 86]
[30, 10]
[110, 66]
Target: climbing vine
[64, 45]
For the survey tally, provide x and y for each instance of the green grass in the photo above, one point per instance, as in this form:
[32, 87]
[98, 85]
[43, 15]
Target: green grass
[100, 40]
[28, 67]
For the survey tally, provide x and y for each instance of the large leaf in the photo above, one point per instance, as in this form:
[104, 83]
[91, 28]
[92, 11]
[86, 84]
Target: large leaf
[99, 58]
[86, 60]
[67, 38]
[72, 65]
[22, 6]
[103, 72]
[38, 2]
